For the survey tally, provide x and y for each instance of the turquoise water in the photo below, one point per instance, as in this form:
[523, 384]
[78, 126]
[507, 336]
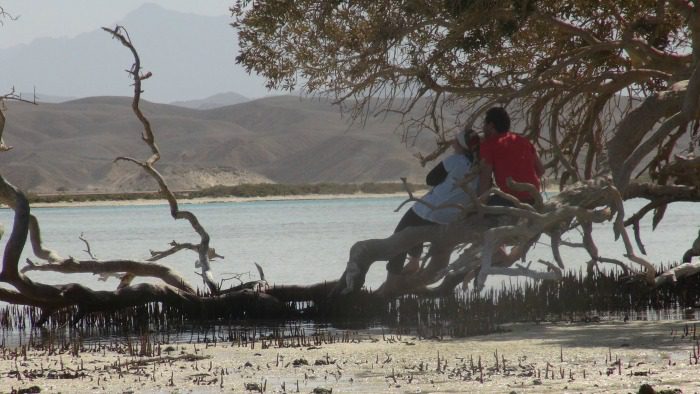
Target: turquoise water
[295, 241]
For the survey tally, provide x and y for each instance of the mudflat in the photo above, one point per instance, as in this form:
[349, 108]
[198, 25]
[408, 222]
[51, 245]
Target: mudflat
[566, 357]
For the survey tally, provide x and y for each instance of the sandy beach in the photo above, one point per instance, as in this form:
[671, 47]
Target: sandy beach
[207, 200]
[613, 357]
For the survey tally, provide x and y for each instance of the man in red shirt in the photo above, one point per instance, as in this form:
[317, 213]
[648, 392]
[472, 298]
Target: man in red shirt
[507, 155]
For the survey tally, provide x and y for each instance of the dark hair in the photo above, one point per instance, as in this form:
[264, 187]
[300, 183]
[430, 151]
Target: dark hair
[499, 117]
[472, 140]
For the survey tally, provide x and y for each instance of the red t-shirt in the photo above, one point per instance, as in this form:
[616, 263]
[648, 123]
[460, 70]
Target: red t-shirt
[511, 155]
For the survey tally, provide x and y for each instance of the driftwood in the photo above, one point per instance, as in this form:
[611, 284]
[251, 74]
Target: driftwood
[480, 237]
[135, 268]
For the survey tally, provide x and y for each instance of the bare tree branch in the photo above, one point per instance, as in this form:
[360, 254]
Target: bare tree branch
[133, 268]
[148, 137]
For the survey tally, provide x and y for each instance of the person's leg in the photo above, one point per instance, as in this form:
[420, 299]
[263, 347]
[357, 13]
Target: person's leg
[497, 201]
[394, 266]
[409, 219]
[396, 273]
[413, 264]
[501, 256]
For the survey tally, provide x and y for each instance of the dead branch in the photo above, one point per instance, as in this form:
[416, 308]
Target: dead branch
[35, 237]
[10, 274]
[3, 147]
[364, 253]
[627, 271]
[555, 238]
[4, 14]
[11, 96]
[176, 247]
[480, 234]
[241, 303]
[175, 292]
[87, 246]
[620, 229]
[148, 137]
[684, 170]
[135, 268]
[34, 230]
[671, 276]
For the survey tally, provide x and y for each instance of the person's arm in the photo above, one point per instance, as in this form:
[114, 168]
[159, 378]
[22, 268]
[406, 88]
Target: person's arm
[485, 175]
[437, 175]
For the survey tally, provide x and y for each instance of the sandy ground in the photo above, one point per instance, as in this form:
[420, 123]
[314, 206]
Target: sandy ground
[593, 358]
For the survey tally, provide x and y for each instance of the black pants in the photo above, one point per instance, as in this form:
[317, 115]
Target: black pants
[501, 220]
[497, 201]
[409, 219]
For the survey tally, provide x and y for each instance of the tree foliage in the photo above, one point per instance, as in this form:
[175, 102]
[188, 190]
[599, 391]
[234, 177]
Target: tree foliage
[573, 70]
[608, 90]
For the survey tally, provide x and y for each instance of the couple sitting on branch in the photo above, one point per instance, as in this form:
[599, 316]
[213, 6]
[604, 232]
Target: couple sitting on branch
[456, 181]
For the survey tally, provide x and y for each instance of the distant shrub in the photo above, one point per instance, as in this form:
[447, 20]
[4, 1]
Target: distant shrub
[242, 190]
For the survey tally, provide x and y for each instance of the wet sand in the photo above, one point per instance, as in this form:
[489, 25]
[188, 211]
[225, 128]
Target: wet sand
[592, 358]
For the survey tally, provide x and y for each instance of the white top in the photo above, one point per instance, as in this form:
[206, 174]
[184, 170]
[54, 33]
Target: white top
[457, 166]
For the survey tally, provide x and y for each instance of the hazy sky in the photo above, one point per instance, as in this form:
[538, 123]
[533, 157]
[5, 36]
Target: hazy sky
[45, 65]
[67, 18]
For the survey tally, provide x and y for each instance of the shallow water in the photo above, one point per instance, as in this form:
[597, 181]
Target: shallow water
[295, 241]
[194, 332]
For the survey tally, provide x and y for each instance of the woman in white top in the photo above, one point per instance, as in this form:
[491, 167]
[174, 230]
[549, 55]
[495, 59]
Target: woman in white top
[443, 178]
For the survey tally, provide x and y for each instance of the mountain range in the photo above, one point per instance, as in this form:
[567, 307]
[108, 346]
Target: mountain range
[213, 101]
[71, 146]
[190, 56]
[218, 138]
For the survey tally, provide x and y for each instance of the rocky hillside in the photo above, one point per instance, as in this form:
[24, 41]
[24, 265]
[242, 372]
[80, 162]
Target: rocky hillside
[71, 146]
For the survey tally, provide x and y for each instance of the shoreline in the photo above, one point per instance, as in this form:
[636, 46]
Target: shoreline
[213, 200]
[229, 199]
